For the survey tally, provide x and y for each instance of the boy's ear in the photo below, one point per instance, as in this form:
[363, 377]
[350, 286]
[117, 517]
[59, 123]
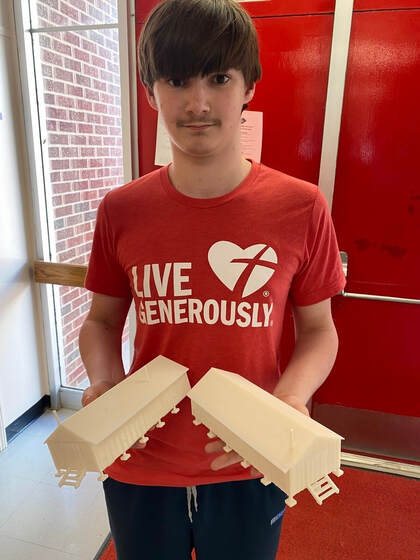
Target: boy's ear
[249, 93]
[150, 97]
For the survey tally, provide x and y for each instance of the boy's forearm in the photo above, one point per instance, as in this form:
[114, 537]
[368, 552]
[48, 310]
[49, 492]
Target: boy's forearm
[100, 350]
[309, 366]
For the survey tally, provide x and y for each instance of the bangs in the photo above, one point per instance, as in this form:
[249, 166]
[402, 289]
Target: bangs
[186, 38]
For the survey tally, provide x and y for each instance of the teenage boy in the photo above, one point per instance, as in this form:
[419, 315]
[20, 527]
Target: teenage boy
[210, 248]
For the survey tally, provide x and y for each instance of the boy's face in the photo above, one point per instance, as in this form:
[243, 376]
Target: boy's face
[202, 114]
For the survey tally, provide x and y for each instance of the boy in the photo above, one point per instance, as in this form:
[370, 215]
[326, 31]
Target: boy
[210, 248]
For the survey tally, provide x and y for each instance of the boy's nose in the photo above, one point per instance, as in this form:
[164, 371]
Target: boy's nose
[197, 101]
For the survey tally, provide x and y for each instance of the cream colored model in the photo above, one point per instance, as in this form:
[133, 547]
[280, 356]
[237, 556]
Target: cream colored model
[292, 450]
[96, 435]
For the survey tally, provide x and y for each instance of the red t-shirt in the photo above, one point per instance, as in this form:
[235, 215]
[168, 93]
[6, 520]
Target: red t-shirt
[210, 279]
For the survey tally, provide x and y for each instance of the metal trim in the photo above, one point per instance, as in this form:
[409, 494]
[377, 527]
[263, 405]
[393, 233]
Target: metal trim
[381, 465]
[58, 29]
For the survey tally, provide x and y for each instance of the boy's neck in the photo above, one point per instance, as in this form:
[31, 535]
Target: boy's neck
[207, 177]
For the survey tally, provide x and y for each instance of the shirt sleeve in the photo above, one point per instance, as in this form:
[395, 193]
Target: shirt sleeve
[320, 275]
[105, 275]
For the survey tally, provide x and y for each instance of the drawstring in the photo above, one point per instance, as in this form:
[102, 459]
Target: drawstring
[193, 490]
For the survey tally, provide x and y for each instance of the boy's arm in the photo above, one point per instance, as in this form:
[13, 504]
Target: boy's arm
[100, 344]
[313, 357]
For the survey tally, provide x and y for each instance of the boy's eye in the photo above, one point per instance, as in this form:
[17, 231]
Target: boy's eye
[176, 82]
[221, 78]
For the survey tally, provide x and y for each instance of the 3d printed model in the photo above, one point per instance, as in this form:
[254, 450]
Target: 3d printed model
[292, 450]
[96, 435]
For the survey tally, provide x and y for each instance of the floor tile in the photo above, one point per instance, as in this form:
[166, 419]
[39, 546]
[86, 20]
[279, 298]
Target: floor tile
[12, 549]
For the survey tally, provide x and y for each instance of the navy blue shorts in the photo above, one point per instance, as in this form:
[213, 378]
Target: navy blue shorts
[224, 521]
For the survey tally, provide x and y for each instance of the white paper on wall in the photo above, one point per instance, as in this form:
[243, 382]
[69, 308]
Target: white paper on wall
[251, 138]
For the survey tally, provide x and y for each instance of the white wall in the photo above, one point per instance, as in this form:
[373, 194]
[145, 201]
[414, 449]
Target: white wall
[23, 373]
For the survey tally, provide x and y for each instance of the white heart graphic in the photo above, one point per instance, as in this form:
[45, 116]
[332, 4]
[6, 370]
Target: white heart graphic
[221, 255]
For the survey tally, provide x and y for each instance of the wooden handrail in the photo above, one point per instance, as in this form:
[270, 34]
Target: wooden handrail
[60, 273]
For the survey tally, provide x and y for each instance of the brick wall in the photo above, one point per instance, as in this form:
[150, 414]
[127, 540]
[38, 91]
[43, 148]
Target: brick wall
[81, 95]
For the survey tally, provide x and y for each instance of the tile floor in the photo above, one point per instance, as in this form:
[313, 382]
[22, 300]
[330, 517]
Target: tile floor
[39, 520]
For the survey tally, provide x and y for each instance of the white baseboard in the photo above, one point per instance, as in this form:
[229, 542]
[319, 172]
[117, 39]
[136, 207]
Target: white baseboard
[382, 465]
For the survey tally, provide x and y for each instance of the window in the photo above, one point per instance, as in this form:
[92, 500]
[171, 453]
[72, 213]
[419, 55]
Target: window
[76, 63]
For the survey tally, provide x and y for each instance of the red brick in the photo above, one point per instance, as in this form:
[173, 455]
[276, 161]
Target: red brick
[69, 152]
[83, 128]
[98, 85]
[52, 85]
[63, 211]
[94, 204]
[69, 11]
[83, 80]
[81, 55]
[67, 255]
[53, 152]
[114, 110]
[67, 126]
[64, 233]
[61, 188]
[91, 94]
[73, 65]
[60, 47]
[57, 18]
[51, 57]
[63, 75]
[72, 336]
[69, 296]
[74, 219]
[95, 140]
[103, 130]
[72, 38]
[90, 71]
[55, 177]
[103, 152]
[87, 152]
[89, 46]
[60, 246]
[76, 116]
[59, 164]
[88, 174]
[93, 118]
[77, 91]
[58, 139]
[108, 120]
[82, 228]
[84, 105]
[46, 71]
[51, 126]
[79, 163]
[49, 99]
[79, 140]
[72, 197]
[98, 61]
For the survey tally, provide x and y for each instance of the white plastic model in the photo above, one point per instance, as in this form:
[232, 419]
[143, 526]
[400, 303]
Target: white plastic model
[292, 450]
[96, 435]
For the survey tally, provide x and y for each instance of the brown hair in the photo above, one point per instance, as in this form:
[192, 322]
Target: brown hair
[186, 38]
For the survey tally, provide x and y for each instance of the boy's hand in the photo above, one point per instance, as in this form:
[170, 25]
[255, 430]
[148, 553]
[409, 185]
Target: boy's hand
[96, 390]
[231, 458]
